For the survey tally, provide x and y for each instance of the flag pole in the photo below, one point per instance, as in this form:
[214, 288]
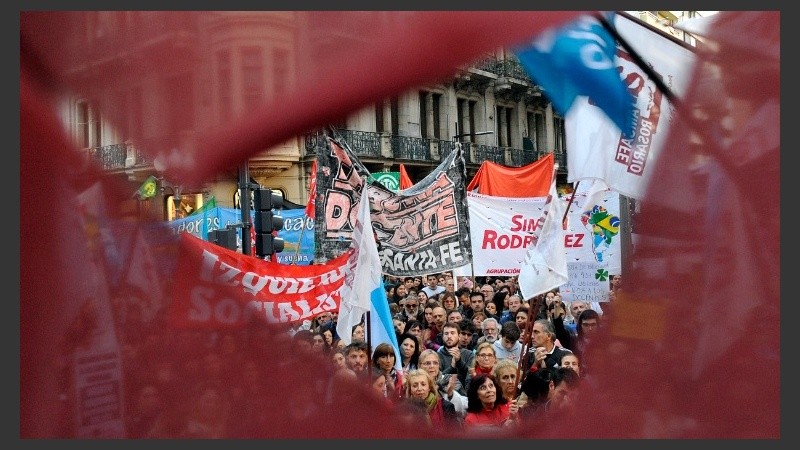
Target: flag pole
[299, 241]
[522, 366]
[639, 61]
[367, 332]
[571, 198]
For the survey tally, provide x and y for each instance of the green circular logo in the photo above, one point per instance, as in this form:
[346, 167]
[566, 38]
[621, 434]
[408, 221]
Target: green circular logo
[388, 180]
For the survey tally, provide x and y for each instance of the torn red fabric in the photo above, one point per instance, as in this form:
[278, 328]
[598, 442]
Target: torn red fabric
[690, 348]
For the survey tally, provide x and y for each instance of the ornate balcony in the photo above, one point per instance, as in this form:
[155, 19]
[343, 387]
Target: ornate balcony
[411, 148]
[486, 152]
[416, 149]
[363, 143]
[118, 156]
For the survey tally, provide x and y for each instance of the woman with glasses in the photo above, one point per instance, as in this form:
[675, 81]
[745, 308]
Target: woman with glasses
[449, 301]
[448, 385]
[485, 359]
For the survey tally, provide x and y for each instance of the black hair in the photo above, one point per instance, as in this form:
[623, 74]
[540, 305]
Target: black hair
[510, 330]
[474, 403]
[585, 314]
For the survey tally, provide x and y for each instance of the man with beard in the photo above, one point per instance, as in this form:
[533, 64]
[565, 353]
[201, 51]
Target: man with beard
[454, 359]
[356, 357]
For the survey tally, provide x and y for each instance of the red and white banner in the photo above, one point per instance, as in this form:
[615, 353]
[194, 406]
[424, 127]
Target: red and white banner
[221, 289]
[502, 230]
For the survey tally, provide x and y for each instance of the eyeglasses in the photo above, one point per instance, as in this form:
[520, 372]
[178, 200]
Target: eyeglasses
[485, 355]
[430, 363]
[410, 306]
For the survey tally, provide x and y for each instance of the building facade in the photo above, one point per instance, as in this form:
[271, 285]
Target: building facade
[221, 65]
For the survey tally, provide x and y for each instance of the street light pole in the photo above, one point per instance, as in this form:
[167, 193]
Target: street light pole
[244, 205]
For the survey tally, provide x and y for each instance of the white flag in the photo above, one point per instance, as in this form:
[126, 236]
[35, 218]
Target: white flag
[545, 265]
[362, 273]
[596, 147]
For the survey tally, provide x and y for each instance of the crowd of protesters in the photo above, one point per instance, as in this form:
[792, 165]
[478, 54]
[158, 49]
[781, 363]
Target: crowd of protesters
[473, 355]
[492, 357]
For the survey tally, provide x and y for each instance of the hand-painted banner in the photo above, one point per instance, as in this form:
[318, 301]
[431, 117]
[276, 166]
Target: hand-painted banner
[422, 230]
[219, 288]
[501, 227]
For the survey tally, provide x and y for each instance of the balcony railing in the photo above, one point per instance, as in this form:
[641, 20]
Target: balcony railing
[511, 67]
[313, 141]
[118, 156]
[411, 148]
[521, 157]
[486, 152]
[447, 147]
[408, 148]
[364, 143]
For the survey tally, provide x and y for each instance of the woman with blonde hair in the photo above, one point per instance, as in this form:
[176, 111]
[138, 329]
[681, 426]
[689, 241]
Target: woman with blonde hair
[448, 385]
[505, 372]
[485, 359]
[421, 391]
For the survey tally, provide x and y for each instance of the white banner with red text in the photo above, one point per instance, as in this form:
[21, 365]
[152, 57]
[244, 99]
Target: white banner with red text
[501, 231]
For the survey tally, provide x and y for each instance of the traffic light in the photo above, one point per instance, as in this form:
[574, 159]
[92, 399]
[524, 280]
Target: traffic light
[224, 238]
[266, 221]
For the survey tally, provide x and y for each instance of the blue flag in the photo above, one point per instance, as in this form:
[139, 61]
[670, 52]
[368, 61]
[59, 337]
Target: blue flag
[579, 59]
[381, 325]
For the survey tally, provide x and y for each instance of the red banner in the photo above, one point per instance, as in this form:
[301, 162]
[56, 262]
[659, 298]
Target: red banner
[220, 288]
[312, 192]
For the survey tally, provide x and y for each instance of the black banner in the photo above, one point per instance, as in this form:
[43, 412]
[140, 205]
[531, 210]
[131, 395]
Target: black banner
[421, 230]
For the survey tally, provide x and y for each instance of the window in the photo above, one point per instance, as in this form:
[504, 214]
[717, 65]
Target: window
[504, 120]
[188, 204]
[536, 130]
[88, 125]
[560, 135]
[466, 119]
[429, 114]
[379, 117]
[252, 77]
[394, 109]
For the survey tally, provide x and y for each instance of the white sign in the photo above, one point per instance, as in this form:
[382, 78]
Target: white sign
[501, 231]
[587, 282]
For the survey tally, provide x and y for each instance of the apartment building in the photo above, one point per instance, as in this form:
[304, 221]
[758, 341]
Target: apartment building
[220, 65]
